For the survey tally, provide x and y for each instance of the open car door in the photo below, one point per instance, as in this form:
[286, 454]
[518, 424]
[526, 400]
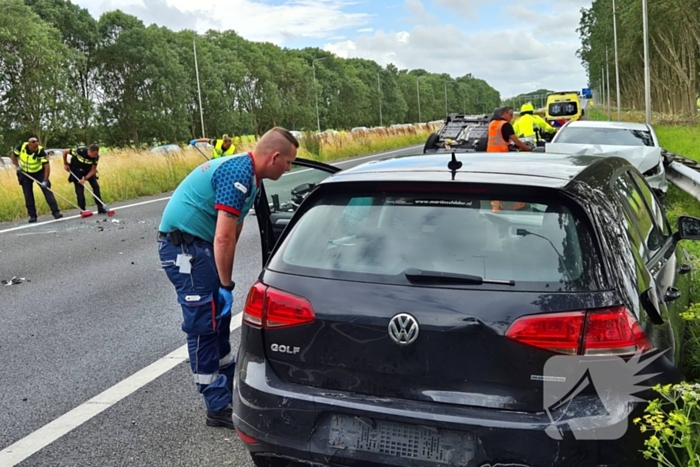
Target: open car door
[278, 200]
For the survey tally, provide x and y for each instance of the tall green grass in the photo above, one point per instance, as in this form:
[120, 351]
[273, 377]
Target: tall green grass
[129, 174]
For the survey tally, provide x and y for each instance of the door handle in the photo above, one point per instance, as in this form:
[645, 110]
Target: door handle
[684, 269]
[672, 294]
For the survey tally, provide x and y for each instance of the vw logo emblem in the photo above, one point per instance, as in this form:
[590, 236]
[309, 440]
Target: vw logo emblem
[403, 329]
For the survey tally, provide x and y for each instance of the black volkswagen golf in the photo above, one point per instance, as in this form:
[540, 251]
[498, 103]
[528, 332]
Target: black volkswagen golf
[460, 310]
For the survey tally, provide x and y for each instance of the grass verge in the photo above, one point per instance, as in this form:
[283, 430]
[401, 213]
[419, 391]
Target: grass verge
[129, 174]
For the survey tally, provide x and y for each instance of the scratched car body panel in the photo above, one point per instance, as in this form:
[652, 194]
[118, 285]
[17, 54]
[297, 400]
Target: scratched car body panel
[392, 324]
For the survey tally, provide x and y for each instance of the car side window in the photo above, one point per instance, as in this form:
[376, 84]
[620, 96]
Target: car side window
[654, 206]
[643, 231]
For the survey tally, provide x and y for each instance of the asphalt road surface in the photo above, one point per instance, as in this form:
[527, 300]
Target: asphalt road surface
[94, 372]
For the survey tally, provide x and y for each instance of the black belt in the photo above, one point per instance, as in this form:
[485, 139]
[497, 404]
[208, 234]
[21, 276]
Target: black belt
[178, 237]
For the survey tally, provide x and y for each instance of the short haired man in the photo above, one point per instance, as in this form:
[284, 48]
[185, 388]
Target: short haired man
[31, 160]
[197, 241]
[501, 132]
[222, 147]
[83, 168]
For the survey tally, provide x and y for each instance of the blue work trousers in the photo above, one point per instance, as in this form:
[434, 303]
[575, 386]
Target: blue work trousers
[211, 359]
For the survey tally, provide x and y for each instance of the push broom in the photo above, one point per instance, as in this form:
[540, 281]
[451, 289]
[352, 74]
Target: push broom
[83, 214]
[110, 212]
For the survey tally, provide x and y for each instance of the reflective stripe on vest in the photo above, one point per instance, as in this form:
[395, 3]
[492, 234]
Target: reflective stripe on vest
[219, 150]
[84, 160]
[496, 141]
[29, 162]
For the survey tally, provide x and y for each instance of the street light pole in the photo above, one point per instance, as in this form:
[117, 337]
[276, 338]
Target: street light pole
[647, 76]
[199, 90]
[313, 68]
[617, 66]
[379, 87]
[446, 111]
[602, 86]
[418, 93]
[607, 65]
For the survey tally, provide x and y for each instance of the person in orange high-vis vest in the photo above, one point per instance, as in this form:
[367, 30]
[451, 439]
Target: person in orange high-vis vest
[501, 133]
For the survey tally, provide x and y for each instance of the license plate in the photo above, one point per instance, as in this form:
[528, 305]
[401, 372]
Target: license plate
[402, 440]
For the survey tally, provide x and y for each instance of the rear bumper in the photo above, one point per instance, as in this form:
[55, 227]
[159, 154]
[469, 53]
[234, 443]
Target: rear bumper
[294, 421]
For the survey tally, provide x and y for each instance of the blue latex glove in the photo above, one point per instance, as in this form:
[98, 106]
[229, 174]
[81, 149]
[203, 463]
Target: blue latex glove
[45, 183]
[193, 142]
[225, 301]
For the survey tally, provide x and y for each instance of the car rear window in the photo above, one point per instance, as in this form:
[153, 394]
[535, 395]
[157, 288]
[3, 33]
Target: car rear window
[563, 109]
[375, 237]
[607, 136]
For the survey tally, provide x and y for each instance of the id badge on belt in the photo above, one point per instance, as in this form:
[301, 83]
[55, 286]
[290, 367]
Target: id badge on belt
[184, 262]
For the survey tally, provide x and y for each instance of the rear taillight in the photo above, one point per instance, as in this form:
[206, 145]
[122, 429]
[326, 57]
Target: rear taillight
[245, 438]
[269, 308]
[610, 331]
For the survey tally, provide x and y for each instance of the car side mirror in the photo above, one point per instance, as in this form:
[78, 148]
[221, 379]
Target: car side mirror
[688, 228]
[302, 189]
[650, 303]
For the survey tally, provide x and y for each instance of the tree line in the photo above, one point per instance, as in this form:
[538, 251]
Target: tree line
[674, 52]
[69, 78]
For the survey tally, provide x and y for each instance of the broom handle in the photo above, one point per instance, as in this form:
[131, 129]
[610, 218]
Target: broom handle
[57, 194]
[88, 189]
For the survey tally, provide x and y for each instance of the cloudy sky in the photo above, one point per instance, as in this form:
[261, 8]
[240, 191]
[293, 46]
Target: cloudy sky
[515, 45]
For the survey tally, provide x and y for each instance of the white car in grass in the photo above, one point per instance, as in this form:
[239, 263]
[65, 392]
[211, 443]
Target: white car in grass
[636, 142]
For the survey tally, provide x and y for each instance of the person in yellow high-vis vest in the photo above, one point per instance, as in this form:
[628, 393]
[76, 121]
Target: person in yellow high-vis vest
[222, 147]
[31, 160]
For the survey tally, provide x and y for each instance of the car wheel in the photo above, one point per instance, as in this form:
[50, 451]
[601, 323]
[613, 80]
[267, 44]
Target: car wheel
[265, 461]
[432, 141]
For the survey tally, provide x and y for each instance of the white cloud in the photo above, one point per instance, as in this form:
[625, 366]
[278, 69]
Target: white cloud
[419, 14]
[466, 8]
[539, 49]
[253, 19]
[512, 62]
[562, 22]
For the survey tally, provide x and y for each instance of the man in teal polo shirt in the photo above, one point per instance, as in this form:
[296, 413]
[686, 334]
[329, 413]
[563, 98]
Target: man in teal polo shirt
[197, 240]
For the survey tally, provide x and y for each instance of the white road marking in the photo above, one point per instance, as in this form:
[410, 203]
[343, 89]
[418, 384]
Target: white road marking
[28, 226]
[44, 436]
[36, 441]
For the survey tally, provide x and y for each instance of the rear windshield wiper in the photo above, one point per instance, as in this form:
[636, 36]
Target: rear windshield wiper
[419, 275]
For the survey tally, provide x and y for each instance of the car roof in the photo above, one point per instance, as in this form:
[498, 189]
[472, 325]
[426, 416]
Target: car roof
[532, 169]
[615, 125]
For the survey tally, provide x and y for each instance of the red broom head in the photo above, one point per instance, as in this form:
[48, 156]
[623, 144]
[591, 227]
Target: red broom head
[85, 214]
[110, 213]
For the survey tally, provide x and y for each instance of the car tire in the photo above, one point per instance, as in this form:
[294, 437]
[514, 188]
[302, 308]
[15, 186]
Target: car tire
[265, 461]
[432, 141]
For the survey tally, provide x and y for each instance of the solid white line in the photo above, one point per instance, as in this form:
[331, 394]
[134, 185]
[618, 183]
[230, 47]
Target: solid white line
[28, 226]
[34, 442]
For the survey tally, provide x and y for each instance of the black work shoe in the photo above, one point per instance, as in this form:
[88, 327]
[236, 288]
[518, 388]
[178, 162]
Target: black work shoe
[32, 220]
[101, 211]
[223, 418]
[57, 215]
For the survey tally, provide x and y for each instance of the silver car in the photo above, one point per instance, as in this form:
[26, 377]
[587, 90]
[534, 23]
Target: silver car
[635, 142]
